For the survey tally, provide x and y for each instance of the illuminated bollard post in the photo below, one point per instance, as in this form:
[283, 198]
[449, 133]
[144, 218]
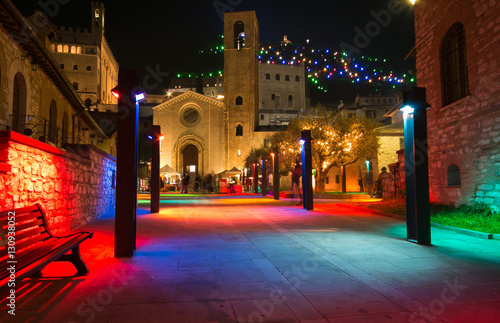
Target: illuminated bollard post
[263, 188]
[369, 177]
[307, 170]
[256, 178]
[276, 173]
[156, 138]
[126, 163]
[416, 166]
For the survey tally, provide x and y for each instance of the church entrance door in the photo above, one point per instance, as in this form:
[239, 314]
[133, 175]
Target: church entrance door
[190, 160]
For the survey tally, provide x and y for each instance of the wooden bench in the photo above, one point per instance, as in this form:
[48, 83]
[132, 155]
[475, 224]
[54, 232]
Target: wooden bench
[28, 245]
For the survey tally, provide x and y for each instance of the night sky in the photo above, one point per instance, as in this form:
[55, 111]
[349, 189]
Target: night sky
[170, 34]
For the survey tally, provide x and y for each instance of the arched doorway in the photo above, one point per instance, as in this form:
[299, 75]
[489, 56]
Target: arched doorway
[19, 103]
[190, 159]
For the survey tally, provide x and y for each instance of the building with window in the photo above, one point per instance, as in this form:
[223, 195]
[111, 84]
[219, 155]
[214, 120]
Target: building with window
[282, 93]
[86, 58]
[457, 46]
[48, 140]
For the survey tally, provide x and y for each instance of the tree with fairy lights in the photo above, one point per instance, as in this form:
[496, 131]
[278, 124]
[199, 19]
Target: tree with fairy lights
[339, 139]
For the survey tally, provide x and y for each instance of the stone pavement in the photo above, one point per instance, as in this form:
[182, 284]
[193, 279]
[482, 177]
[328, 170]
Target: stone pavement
[252, 259]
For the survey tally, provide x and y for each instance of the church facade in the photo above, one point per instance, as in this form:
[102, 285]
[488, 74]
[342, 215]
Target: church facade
[204, 134]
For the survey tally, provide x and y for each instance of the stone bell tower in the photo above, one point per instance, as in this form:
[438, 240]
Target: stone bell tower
[241, 84]
[97, 17]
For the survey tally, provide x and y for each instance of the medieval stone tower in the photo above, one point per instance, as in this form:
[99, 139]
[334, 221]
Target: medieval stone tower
[241, 85]
[97, 24]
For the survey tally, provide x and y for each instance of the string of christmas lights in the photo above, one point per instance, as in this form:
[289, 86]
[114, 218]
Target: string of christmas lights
[324, 65]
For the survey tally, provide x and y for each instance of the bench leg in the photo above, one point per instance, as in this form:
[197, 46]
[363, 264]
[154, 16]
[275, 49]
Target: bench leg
[76, 259]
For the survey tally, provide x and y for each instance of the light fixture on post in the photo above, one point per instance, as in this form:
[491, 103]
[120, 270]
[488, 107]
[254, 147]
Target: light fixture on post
[414, 109]
[256, 178]
[126, 164]
[369, 176]
[276, 173]
[156, 138]
[305, 143]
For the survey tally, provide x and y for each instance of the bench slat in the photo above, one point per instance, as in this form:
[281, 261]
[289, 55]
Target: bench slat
[21, 246]
[24, 217]
[23, 226]
[28, 209]
[25, 236]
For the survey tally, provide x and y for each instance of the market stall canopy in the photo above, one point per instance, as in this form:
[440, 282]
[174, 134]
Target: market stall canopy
[232, 171]
[167, 170]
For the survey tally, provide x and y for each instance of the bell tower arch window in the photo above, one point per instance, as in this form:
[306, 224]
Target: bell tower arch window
[239, 130]
[239, 35]
[239, 100]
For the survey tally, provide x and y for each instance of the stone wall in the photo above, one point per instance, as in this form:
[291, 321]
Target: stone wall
[74, 186]
[465, 133]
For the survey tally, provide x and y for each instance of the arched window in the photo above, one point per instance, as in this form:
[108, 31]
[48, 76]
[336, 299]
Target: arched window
[75, 86]
[78, 50]
[75, 67]
[62, 66]
[239, 100]
[277, 77]
[290, 101]
[287, 78]
[53, 122]
[73, 49]
[53, 47]
[268, 76]
[239, 35]
[239, 130]
[19, 103]
[65, 49]
[297, 78]
[59, 48]
[89, 68]
[454, 75]
[453, 175]
[65, 128]
[88, 102]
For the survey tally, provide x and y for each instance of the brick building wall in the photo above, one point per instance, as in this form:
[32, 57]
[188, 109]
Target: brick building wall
[72, 187]
[466, 133]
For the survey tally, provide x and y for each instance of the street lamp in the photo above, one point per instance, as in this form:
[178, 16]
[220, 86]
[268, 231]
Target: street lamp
[369, 176]
[126, 163]
[156, 138]
[416, 169]
[305, 143]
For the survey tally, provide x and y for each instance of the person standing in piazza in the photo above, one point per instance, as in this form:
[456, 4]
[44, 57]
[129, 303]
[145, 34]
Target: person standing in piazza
[185, 182]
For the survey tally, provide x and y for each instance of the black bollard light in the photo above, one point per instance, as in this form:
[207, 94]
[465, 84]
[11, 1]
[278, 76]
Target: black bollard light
[263, 188]
[307, 190]
[276, 173]
[156, 138]
[126, 163]
[416, 166]
[256, 178]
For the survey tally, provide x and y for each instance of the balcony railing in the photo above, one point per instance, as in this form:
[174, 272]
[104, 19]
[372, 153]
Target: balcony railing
[39, 128]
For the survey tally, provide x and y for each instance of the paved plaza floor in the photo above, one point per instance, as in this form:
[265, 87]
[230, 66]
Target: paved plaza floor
[253, 259]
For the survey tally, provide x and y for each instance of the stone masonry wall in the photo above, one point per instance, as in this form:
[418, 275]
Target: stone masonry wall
[72, 187]
[465, 133]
